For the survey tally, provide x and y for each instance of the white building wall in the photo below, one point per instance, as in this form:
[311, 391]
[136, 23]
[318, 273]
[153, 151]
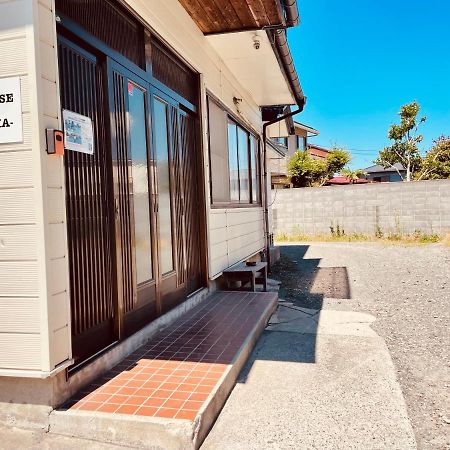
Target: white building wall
[27, 245]
[55, 227]
[20, 332]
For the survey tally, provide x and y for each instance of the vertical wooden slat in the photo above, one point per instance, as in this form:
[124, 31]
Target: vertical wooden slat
[189, 142]
[109, 22]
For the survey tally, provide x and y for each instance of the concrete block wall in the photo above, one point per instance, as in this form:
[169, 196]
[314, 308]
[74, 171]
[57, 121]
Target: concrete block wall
[389, 207]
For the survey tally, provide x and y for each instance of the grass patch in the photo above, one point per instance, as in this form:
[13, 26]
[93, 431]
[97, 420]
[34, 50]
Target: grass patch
[414, 238]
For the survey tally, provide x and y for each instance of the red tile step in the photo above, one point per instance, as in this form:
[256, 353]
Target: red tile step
[174, 386]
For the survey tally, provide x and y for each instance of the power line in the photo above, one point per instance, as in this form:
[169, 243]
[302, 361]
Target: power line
[364, 150]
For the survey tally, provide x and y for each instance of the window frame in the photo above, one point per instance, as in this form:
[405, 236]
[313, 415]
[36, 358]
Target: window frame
[281, 140]
[304, 141]
[231, 118]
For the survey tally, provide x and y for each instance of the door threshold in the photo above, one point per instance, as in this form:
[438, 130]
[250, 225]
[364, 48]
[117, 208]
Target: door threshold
[76, 367]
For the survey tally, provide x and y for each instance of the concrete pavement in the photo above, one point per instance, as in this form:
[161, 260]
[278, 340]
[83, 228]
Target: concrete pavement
[316, 380]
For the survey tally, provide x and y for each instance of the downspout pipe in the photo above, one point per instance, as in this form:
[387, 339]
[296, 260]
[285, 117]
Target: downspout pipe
[266, 189]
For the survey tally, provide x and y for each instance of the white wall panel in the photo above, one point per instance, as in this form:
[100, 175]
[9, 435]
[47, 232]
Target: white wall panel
[19, 315]
[59, 351]
[18, 242]
[19, 279]
[13, 61]
[55, 206]
[49, 71]
[46, 23]
[55, 171]
[17, 206]
[50, 98]
[234, 235]
[57, 243]
[57, 279]
[59, 314]
[16, 169]
[20, 351]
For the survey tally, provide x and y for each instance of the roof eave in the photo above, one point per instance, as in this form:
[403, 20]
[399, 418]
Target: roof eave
[306, 128]
[278, 39]
[291, 12]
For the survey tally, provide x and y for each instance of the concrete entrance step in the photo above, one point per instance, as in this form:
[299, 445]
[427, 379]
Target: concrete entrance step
[168, 393]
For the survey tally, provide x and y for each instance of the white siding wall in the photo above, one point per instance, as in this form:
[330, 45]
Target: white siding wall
[30, 196]
[233, 234]
[20, 332]
[58, 302]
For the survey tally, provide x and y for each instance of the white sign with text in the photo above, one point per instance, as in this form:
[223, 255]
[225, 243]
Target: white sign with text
[10, 111]
[78, 132]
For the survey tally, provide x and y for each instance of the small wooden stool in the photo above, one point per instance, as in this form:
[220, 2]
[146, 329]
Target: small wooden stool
[245, 274]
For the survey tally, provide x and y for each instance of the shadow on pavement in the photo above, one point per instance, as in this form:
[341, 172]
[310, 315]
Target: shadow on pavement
[291, 333]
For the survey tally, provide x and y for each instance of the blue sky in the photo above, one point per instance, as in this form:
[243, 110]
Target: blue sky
[360, 60]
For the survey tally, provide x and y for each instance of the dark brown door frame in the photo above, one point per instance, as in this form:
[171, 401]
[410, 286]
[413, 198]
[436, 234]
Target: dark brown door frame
[82, 248]
[145, 297]
[78, 36]
[169, 290]
[201, 129]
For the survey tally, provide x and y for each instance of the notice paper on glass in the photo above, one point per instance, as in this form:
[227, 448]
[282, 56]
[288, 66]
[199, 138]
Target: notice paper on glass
[78, 132]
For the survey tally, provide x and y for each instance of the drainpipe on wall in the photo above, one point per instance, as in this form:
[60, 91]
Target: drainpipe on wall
[266, 189]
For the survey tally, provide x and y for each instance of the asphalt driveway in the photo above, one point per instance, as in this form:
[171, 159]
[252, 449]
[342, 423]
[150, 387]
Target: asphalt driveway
[407, 289]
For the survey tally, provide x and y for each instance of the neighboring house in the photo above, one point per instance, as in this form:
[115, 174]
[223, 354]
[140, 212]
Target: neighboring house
[286, 139]
[340, 181]
[317, 152]
[170, 190]
[378, 173]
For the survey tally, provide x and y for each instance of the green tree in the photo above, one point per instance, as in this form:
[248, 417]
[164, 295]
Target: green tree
[337, 159]
[436, 164]
[405, 137]
[305, 171]
[353, 175]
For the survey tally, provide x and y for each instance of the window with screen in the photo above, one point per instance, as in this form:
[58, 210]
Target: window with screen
[234, 161]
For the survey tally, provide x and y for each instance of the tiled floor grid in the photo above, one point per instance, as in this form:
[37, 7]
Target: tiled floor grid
[173, 375]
